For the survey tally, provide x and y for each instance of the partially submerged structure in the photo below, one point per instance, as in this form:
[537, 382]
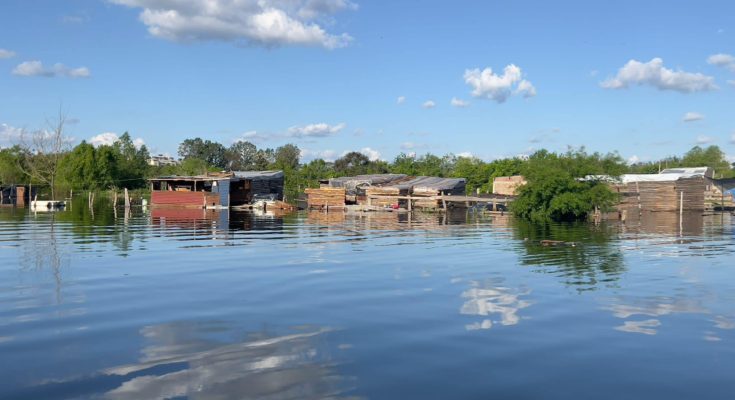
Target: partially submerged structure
[508, 185]
[16, 195]
[674, 189]
[385, 190]
[217, 190]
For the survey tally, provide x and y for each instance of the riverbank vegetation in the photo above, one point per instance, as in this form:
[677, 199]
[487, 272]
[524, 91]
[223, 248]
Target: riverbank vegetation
[554, 189]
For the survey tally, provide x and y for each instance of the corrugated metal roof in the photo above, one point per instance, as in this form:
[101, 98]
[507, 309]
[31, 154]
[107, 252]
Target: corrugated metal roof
[236, 175]
[256, 175]
[703, 171]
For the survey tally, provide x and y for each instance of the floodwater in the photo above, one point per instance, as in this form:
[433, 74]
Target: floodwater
[204, 305]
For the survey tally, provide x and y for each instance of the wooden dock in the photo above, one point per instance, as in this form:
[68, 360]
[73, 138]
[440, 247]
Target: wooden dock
[446, 200]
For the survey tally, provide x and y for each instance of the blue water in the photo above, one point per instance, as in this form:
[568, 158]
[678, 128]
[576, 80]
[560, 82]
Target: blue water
[376, 306]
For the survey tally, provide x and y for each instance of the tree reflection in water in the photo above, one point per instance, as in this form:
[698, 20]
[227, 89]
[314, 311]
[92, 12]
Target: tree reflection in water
[589, 257]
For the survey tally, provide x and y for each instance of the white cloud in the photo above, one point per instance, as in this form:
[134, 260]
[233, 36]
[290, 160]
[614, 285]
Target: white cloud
[692, 116]
[372, 154]
[253, 137]
[704, 139]
[326, 155]
[731, 83]
[526, 89]
[465, 154]
[459, 102]
[6, 54]
[732, 138]
[634, 159]
[109, 138]
[36, 68]
[401, 100]
[316, 8]
[654, 73]
[267, 23]
[9, 135]
[722, 60]
[103, 139]
[429, 104]
[487, 84]
[315, 130]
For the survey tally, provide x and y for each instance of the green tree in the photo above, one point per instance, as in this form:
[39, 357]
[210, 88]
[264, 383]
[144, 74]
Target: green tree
[556, 189]
[132, 162]
[79, 167]
[352, 163]
[316, 170]
[287, 157]
[242, 156]
[212, 153]
[10, 171]
[477, 173]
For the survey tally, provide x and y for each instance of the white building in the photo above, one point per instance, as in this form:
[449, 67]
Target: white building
[161, 160]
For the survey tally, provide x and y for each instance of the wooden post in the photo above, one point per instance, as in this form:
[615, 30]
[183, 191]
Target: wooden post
[444, 202]
[681, 209]
[127, 199]
[410, 207]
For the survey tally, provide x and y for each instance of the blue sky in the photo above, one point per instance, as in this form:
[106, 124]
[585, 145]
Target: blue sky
[327, 75]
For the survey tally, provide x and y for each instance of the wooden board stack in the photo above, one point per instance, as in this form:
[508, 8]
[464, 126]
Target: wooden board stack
[663, 196]
[325, 197]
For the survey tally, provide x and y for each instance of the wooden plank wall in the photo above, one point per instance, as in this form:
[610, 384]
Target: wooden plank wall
[663, 196]
[331, 197]
[184, 199]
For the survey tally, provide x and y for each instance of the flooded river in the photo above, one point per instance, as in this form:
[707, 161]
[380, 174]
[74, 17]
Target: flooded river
[204, 305]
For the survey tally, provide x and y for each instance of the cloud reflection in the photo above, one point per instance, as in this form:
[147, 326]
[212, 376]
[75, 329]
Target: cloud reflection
[189, 365]
[489, 300]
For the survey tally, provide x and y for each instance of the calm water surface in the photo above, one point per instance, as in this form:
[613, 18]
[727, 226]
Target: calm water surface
[177, 305]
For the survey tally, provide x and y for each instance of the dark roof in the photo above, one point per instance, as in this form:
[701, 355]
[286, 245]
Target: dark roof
[218, 176]
[258, 175]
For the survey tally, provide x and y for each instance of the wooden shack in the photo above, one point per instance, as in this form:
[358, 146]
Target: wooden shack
[216, 190]
[16, 195]
[508, 185]
[685, 189]
[338, 192]
[385, 190]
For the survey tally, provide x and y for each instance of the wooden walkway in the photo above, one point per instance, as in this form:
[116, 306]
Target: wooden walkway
[446, 199]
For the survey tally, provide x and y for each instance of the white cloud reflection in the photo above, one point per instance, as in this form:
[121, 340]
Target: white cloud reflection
[500, 305]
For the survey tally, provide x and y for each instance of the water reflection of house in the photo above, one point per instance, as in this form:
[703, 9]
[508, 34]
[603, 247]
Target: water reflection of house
[400, 221]
[220, 189]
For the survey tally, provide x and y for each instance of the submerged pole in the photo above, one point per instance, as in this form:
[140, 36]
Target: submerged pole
[681, 209]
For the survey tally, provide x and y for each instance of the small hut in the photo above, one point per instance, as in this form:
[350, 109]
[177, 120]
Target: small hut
[16, 195]
[674, 189]
[508, 185]
[217, 190]
[384, 190]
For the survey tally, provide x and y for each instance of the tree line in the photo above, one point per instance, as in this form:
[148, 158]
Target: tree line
[554, 190]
